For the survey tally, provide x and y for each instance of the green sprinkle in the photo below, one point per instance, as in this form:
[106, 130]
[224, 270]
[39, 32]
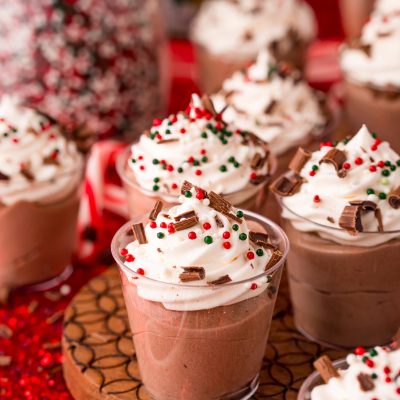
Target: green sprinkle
[398, 163]
[208, 240]
[164, 166]
[364, 359]
[242, 236]
[335, 143]
[168, 132]
[209, 126]
[204, 135]
[180, 170]
[223, 168]
[374, 135]
[214, 130]
[196, 163]
[156, 180]
[393, 168]
[155, 161]
[385, 172]
[239, 214]
[315, 168]
[231, 159]
[133, 160]
[388, 163]
[260, 252]
[370, 191]
[156, 187]
[204, 159]
[223, 141]
[373, 353]
[345, 141]
[170, 123]
[160, 235]
[382, 196]
[235, 227]
[374, 375]
[236, 164]
[228, 133]
[188, 194]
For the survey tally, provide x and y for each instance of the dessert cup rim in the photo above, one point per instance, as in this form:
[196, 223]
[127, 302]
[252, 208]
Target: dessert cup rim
[259, 218]
[305, 387]
[124, 154]
[331, 228]
[368, 84]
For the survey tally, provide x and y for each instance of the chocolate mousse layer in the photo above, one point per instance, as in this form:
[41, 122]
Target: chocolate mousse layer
[37, 240]
[377, 108]
[205, 354]
[339, 291]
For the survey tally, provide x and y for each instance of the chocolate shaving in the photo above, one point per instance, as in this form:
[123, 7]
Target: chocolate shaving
[366, 382]
[32, 306]
[259, 179]
[270, 108]
[186, 223]
[258, 161]
[364, 204]
[331, 220]
[259, 238]
[188, 214]
[287, 185]
[164, 141]
[4, 177]
[394, 198]
[49, 160]
[232, 217]
[222, 280]
[248, 35]
[209, 105]
[350, 219]
[55, 317]
[337, 158]
[325, 368]
[139, 233]
[299, 160]
[218, 203]
[192, 274]
[275, 258]
[156, 210]
[5, 332]
[218, 221]
[5, 361]
[27, 174]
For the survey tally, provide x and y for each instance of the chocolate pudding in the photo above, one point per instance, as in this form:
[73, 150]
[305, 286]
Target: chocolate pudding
[341, 211]
[40, 178]
[200, 297]
[355, 14]
[228, 35]
[200, 146]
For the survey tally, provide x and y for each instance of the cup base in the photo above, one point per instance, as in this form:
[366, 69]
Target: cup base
[243, 394]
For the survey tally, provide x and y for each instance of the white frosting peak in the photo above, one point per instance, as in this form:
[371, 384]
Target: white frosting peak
[384, 7]
[380, 365]
[373, 172]
[220, 248]
[377, 60]
[272, 102]
[246, 26]
[198, 147]
[37, 162]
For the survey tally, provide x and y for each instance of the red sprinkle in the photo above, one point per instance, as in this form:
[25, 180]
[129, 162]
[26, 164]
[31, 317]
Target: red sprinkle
[317, 199]
[253, 286]
[173, 118]
[203, 151]
[398, 390]
[142, 168]
[359, 351]
[381, 164]
[171, 228]
[140, 271]
[129, 258]
[227, 245]
[218, 125]
[140, 158]
[358, 161]
[153, 224]
[253, 176]
[192, 235]
[157, 122]
[387, 370]
[374, 147]
[370, 363]
[372, 168]
[170, 168]
[198, 172]
[200, 194]
[182, 130]
[191, 159]
[174, 186]
[158, 136]
[206, 226]
[250, 255]
[163, 225]
[346, 165]
[312, 173]
[388, 379]
[123, 252]
[226, 235]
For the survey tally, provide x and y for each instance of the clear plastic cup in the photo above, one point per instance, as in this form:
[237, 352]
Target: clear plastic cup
[337, 288]
[141, 201]
[315, 380]
[39, 237]
[211, 353]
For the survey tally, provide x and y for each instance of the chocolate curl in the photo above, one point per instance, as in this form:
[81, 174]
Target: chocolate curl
[49, 160]
[165, 141]
[188, 214]
[27, 174]
[4, 177]
[337, 158]
[394, 198]
[286, 185]
[275, 258]
[186, 223]
[270, 108]
[156, 210]
[191, 274]
[218, 203]
[259, 238]
[299, 160]
[209, 105]
[218, 221]
[259, 179]
[350, 219]
[222, 280]
[325, 368]
[258, 161]
[366, 382]
[139, 233]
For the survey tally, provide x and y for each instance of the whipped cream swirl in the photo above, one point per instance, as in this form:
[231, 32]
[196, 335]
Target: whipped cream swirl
[37, 163]
[380, 365]
[384, 7]
[272, 102]
[197, 146]
[246, 26]
[375, 60]
[373, 173]
[216, 243]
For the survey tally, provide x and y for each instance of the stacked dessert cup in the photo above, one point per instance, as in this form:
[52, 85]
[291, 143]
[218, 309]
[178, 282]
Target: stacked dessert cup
[228, 35]
[341, 212]
[355, 14]
[200, 146]
[200, 282]
[40, 181]
[371, 68]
